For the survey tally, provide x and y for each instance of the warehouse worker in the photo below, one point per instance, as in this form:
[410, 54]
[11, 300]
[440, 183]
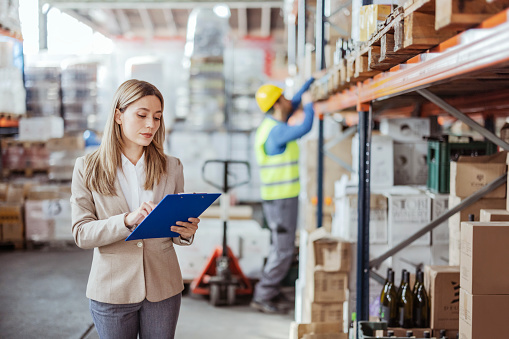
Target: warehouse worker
[134, 287]
[277, 154]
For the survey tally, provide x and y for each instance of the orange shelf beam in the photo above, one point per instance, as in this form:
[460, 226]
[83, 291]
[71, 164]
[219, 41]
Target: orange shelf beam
[470, 51]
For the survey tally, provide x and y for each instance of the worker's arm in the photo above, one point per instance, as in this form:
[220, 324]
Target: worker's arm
[282, 133]
[298, 96]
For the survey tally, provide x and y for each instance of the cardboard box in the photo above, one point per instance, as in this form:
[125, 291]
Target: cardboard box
[485, 257]
[310, 217]
[407, 129]
[66, 143]
[439, 205]
[494, 215]
[323, 312]
[382, 164]
[409, 211]
[11, 221]
[455, 222]
[410, 163]
[329, 253]
[442, 284]
[483, 316]
[345, 221]
[327, 287]
[297, 331]
[41, 128]
[470, 174]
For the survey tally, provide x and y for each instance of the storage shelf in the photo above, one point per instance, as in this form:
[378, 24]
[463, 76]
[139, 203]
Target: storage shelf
[473, 62]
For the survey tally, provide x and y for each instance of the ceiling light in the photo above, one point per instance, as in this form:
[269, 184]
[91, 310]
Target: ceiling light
[222, 11]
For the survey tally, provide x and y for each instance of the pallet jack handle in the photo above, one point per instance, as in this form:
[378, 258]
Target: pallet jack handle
[226, 187]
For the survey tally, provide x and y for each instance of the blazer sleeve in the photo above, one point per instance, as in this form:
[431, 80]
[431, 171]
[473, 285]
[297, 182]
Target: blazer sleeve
[179, 188]
[88, 231]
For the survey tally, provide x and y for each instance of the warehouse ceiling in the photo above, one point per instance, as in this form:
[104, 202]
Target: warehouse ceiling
[158, 19]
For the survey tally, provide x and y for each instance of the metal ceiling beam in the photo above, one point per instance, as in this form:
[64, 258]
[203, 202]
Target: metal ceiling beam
[147, 22]
[114, 20]
[265, 25]
[242, 21]
[170, 21]
[123, 20]
[157, 4]
[87, 22]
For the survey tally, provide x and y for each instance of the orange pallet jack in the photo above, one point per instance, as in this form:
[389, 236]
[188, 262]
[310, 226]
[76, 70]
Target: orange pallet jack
[222, 278]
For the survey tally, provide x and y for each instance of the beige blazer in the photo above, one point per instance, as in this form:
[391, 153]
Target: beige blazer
[125, 272]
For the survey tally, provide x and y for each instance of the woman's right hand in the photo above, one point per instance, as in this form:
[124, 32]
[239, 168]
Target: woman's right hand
[137, 216]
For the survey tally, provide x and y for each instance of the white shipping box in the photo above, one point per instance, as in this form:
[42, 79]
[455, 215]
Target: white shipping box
[47, 220]
[410, 163]
[409, 211]
[439, 205]
[344, 223]
[41, 128]
[382, 164]
[247, 240]
[406, 129]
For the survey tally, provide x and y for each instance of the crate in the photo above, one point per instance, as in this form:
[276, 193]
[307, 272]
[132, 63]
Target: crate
[367, 330]
[441, 153]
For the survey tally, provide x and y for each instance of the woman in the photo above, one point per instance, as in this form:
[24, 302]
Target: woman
[134, 286]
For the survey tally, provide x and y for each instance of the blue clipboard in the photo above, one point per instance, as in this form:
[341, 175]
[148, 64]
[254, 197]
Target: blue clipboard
[173, 208]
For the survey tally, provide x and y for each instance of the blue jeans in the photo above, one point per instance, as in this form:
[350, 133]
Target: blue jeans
[125, 321]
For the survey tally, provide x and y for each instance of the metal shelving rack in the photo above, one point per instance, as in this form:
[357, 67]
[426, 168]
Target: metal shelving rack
[473, 64]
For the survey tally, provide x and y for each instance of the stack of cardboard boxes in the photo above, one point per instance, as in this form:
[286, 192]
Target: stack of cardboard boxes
[484, 280]
[442, 284]
[322, 287]
[11, 215]
[468, 175]
[33, 212]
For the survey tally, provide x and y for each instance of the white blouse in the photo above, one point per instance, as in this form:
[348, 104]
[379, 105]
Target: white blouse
[132, 182]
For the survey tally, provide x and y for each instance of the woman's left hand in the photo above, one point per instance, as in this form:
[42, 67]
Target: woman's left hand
[186, 229]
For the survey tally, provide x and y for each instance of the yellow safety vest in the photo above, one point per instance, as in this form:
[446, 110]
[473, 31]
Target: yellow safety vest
[279, 173]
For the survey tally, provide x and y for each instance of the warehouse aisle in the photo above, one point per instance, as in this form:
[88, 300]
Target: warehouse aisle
[43, 296]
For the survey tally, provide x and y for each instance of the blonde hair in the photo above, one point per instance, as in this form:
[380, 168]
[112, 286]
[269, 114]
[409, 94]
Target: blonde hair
[101, 166]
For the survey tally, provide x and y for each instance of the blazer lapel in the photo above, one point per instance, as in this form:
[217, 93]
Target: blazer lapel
[120, 198]
[159, 190]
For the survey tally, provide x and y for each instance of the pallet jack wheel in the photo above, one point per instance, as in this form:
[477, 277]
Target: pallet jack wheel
[215, 294]
[231, 291]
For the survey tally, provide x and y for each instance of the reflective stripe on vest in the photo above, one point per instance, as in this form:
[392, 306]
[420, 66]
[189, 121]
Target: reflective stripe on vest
[279, 173]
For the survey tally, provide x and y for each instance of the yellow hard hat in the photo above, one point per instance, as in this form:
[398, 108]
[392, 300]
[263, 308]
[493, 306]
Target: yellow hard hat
[267, 95]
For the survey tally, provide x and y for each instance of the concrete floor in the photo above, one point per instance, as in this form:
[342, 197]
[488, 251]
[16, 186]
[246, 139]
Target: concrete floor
[42, 295]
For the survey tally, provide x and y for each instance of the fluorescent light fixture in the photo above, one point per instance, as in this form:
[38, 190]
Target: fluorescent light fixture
[222, 10]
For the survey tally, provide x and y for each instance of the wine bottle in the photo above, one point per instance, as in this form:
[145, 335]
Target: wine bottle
[409, 334]
[390, 333]
[388, 302]
[416, 285]
[405, 302]
[442, 332]
[401, 283]
[427, 334]
[420, 303]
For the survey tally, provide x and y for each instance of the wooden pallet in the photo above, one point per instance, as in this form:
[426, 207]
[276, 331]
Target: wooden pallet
[461, 15]
[26, 172]
[12, 245]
